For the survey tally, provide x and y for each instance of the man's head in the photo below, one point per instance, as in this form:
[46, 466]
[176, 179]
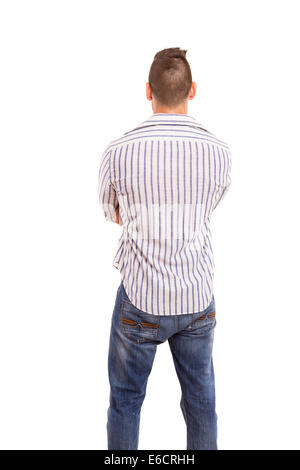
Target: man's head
[170, 84]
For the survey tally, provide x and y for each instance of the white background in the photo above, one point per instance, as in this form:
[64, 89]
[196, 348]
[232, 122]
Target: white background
[73, 77]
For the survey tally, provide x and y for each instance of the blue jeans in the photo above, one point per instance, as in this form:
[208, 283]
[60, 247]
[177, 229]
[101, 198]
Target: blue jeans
[134, 338]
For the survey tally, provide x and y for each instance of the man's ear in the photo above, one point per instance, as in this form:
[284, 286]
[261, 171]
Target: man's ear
[148, 92]
[192, 91]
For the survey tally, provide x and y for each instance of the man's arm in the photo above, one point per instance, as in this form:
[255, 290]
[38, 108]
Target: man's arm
[225, 180]
[107, 194]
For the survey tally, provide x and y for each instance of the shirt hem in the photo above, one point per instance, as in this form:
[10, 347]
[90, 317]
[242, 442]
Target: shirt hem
[125, 285]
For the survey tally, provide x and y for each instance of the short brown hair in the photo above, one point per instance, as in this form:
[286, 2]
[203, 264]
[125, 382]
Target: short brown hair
[170, 76]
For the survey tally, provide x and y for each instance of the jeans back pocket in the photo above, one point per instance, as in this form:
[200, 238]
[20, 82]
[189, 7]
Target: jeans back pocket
[204, 321]
[137, 325]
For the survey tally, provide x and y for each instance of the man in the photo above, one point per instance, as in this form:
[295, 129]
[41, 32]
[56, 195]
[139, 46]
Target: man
[161, 181]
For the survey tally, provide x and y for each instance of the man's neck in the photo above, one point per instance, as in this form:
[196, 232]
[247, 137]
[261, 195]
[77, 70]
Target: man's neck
[164, 109]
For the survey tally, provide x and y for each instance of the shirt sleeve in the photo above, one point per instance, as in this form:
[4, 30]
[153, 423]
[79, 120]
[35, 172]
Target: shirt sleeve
[107, 193]
[224, 180]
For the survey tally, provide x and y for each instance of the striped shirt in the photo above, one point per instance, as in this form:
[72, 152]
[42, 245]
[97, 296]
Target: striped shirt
[167, 175]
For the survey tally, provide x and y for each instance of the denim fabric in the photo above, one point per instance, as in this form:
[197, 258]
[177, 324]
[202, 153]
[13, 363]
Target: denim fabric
[134, 338]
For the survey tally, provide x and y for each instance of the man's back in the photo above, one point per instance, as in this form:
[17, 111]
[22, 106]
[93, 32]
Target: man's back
[167, 176]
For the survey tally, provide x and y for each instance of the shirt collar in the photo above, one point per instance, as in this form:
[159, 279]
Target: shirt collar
[168, 118]
[171, 116]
